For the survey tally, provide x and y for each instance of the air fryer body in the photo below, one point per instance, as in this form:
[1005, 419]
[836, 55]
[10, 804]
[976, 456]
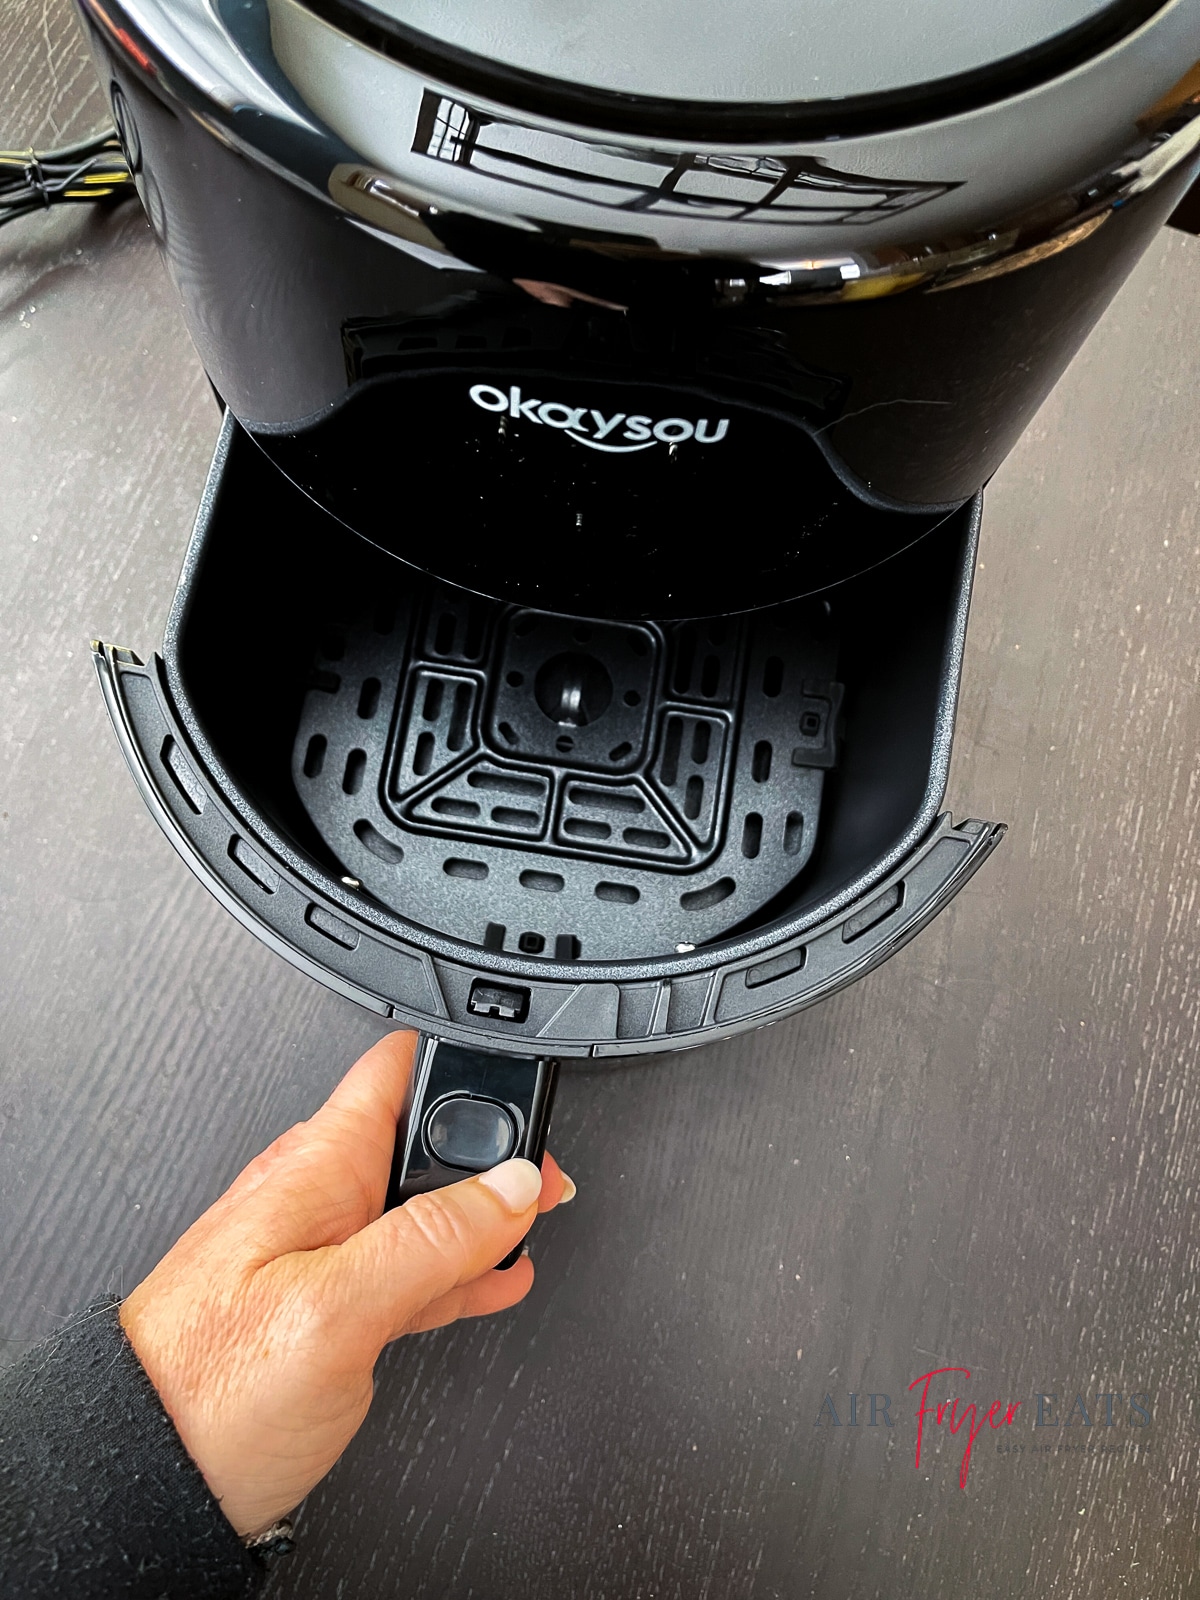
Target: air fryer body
[596, 508]
[597, 349]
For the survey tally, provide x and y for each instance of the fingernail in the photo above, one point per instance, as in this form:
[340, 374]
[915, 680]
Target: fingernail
[569, 1190]
[517, 1183]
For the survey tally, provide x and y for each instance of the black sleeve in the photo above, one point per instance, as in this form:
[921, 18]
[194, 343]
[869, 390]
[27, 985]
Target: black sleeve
[98, 1497]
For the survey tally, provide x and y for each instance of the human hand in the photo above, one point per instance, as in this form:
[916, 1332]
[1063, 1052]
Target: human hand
[260, 1329]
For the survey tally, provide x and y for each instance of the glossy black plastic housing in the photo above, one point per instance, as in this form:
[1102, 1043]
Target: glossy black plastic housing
[395, 380]
[620, 111]
[209, 734]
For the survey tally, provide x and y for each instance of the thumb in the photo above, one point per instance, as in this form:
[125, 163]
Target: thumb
[417, 1253]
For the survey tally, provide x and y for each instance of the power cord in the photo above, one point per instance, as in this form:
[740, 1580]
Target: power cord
[31, 180]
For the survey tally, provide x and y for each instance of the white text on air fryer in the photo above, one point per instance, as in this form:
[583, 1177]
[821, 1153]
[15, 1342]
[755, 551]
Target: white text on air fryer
[593, 428]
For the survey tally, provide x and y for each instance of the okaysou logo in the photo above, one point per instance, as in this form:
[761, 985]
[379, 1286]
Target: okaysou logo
[618, 433]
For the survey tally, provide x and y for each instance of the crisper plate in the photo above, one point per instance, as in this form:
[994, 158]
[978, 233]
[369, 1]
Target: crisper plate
[527, 781]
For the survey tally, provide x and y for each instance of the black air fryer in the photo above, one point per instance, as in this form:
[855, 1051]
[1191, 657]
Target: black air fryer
[564, 662]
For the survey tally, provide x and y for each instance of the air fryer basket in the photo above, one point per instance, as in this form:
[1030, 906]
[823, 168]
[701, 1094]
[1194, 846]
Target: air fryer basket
[528, 831]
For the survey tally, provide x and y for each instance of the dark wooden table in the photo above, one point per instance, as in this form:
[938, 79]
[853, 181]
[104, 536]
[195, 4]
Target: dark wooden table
[985, 1155]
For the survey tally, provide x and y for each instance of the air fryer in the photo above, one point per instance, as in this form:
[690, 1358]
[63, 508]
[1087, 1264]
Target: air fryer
[565, 657]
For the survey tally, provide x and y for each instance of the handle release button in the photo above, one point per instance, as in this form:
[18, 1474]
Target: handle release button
[471, 1134]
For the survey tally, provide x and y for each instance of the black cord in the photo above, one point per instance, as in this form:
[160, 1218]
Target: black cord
[93, 170]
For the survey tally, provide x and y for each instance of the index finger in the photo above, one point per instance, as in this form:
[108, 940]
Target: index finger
[371, 1095]
[352, 1136]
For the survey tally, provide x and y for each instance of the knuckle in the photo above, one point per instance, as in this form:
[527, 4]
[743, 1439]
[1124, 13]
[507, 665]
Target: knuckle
[441, 1226]
[279, 1153]
[289, 1142]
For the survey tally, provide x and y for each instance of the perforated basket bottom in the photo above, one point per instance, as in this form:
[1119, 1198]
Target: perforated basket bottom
[562, 786]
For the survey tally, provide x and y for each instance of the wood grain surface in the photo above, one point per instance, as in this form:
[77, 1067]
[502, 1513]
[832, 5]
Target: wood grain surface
[985, 1155]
